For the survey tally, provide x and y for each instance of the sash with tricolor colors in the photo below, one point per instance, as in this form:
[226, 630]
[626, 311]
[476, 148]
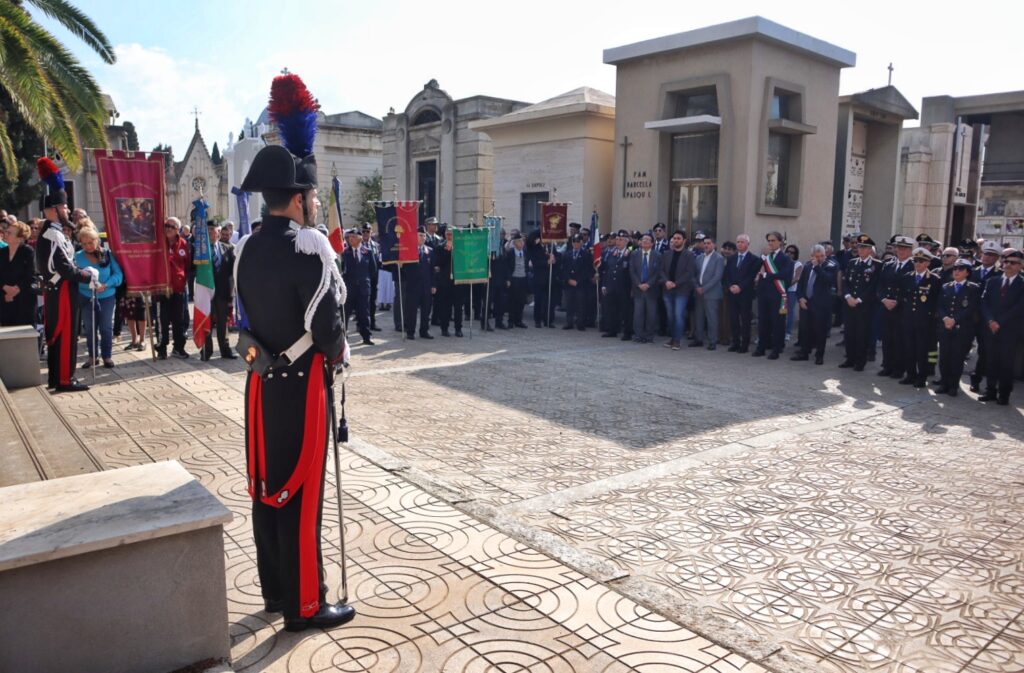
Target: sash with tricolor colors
[769, 267]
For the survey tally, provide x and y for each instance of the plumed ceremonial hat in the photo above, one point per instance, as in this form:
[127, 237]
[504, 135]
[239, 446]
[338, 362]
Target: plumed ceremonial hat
[50, 174]
[293, 166]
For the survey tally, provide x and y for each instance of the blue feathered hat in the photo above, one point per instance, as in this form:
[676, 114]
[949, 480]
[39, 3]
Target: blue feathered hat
[291, 167]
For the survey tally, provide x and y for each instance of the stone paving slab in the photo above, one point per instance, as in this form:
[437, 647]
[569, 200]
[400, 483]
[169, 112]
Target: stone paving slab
[436, 589]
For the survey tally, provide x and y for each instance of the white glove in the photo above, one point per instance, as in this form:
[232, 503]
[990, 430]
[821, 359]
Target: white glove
[94, 274]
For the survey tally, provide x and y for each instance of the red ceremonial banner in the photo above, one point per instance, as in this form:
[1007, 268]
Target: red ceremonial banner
[408, 215]
[132, 194]
[554, 224]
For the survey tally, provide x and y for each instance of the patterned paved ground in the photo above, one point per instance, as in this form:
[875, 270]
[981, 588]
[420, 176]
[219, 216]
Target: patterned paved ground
[854, 523]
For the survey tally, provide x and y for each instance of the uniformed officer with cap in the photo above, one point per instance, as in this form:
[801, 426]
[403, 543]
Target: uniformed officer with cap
[1002, 310]
[982, 274]
[920, 290]
[859, 290]
[959, 307]
[890, 287]
[290, 289]
[616, 286]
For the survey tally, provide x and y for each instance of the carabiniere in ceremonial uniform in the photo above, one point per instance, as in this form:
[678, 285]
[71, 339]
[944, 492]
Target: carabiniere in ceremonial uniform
[290, 288]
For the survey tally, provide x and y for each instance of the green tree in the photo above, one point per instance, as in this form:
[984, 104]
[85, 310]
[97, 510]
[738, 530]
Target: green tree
[168, 156]
[19, 189]
[133, 137]
[370, 189]
[215, 154]
[47, 86]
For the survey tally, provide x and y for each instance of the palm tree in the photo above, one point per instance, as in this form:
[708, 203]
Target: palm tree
[48, 86]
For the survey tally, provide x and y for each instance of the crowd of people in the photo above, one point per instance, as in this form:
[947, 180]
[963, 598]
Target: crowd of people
[927, 306]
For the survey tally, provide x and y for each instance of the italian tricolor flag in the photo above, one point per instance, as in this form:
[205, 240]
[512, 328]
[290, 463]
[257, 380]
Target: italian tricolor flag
[203, 261]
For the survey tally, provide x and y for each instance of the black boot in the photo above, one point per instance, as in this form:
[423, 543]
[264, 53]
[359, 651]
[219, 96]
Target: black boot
[327, 617]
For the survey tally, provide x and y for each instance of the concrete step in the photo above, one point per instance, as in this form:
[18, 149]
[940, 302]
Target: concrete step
[20, 459]
[55, 440]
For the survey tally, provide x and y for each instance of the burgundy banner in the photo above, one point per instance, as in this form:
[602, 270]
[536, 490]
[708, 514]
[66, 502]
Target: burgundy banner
[554, 225]
[132, 193]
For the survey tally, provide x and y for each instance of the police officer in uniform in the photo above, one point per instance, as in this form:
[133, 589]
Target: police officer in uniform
[859, 287]
[359, 270]
[1002, 311]
[616, 286]
[890, 287]
[981, 275]
[55, 260]
[419, 285]
[959, 306]
[919, 301]
[577, 276]
[290, 289]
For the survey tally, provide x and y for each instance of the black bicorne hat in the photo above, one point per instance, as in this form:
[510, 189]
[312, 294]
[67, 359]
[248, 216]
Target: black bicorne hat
[292, 167]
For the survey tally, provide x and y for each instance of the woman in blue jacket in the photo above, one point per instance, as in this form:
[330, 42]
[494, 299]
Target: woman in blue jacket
[110, 277]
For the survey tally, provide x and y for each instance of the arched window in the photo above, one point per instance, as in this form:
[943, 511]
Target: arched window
[427, 116]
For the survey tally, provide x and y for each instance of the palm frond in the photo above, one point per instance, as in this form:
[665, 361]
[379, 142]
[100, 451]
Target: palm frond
[7, 159]
[22, 76]
[80, 25]
[55, 59]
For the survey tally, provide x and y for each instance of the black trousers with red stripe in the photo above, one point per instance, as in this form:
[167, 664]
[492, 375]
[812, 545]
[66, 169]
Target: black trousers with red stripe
[60, 327]
[287, 433]
[276, 533]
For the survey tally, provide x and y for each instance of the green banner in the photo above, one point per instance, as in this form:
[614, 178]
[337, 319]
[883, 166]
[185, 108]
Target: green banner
[469, 256]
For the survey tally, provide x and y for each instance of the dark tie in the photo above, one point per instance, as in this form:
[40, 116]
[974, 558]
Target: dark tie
[643, 271]
[958, 289]
[918, 279]
[810, 285]
[1002, 291]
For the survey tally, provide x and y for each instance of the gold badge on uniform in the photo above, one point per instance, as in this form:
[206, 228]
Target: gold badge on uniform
[924, 298]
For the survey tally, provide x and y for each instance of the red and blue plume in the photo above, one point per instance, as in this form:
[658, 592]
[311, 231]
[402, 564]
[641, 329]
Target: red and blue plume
[50, 174]
[293, 108]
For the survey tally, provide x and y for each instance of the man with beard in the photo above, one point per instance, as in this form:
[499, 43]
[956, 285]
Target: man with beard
[55, 256]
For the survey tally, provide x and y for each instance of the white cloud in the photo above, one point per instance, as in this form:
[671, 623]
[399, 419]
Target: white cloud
[157, 93]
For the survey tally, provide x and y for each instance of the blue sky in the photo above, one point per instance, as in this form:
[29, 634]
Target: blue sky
[220, 55]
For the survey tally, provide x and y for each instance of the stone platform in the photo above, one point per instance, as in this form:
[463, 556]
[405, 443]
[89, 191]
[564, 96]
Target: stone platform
[800, 517]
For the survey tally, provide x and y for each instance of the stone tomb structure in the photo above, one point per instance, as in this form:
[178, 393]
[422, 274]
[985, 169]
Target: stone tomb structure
[565, 143]
[867, 184]
[727, 129]
[432, 154]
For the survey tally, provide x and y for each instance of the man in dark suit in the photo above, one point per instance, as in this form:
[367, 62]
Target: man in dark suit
[358, 268]
[374, 249]
[738, 278]
[959, 306]
[616, 286]
[646, 286]
[816, 293]
[890, 286]
[418, 288]
[859, 291]
[981, 275]
[919, 301]
[222, 256]
[498, 291]
[1002, 310]
[776, 274]
[517, 263]
[578, 278]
